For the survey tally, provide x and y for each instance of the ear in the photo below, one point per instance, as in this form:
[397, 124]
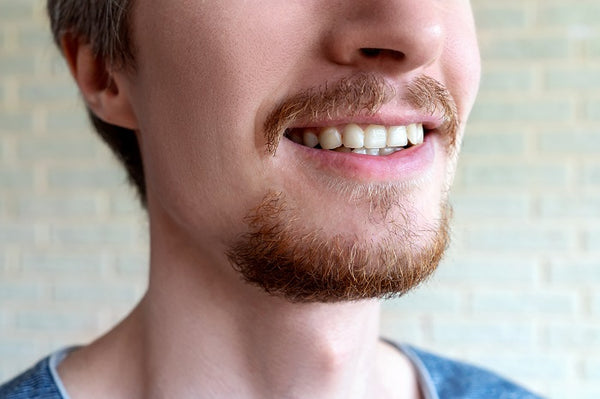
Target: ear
[103, 90]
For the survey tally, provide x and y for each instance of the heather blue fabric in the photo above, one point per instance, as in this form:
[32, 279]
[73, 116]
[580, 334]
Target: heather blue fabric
[443, 378]
[440, 378]
[35, 383]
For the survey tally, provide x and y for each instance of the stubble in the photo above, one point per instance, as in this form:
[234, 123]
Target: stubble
[284, 257]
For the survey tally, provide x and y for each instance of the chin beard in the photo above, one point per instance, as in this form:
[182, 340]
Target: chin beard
[311, 266]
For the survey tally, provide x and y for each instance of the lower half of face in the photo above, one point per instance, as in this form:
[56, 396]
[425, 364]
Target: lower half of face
[333, 203]
[336, 229]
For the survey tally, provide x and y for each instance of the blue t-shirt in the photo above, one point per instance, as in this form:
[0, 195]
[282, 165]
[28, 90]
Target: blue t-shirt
[439, 378]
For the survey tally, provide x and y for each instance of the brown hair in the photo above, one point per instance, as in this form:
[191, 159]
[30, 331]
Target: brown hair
[104, 24]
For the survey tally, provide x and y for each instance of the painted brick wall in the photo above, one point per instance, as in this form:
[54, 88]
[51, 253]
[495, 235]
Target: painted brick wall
[72, 240]
[518, 290]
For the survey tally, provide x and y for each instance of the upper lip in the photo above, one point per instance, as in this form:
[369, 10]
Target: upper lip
[389, 118]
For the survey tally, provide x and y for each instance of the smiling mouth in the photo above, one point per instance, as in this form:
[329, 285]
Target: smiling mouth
[375, 140]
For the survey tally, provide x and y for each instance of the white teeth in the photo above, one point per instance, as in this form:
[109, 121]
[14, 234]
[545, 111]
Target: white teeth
[373, 151]
[330, 138]
[373, 140]
[397, 137]
[415, 133]
[386, 151]
[375, 136]
[310, 139]
[354, 137]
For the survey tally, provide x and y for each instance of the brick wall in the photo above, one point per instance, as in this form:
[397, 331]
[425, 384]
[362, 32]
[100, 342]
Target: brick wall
[516, 292]
[72, 240]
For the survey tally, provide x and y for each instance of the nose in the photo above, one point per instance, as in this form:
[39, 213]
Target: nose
[390, 36]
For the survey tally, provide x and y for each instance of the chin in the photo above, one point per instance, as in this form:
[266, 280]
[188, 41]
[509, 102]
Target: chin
[385, 252]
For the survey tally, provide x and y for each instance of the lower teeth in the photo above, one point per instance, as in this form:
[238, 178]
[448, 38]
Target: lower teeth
[376, 151]
[364, 151]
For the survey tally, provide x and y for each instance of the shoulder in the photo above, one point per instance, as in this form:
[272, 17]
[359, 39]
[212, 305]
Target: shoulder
[455, 379]
[35, 383]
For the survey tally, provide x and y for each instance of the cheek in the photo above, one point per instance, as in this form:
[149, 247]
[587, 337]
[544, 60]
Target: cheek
[461, 62]
[216, 64]
[197, 92]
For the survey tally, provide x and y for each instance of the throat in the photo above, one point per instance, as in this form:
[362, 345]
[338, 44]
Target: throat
[324, 365]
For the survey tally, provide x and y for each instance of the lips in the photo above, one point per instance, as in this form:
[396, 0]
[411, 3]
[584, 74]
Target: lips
[366, 129]
[386, 162]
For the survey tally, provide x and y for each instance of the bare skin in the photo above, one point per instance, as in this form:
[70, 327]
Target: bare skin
[207, 76]
[187, 339]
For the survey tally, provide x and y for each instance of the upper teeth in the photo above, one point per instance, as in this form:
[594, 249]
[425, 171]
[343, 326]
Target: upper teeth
[371, 140]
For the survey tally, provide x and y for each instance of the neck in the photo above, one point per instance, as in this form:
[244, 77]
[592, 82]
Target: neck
[202, 332]
[267, 346]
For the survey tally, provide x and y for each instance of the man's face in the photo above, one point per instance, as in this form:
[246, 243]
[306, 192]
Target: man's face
[226, 91]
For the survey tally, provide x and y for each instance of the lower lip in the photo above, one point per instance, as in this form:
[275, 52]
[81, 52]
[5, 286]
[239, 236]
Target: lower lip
[404, 165]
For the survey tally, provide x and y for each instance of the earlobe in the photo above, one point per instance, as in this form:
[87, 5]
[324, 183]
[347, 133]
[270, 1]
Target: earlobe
[102, 89]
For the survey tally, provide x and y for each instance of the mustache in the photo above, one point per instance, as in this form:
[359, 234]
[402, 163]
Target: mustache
[361, 94]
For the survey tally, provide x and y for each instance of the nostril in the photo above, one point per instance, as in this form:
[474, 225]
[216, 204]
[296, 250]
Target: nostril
[370, 52]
